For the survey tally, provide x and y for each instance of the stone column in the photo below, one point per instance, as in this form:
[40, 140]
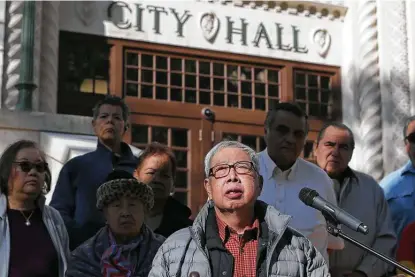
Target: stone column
[48, 85]
[395, 86]
[12, 50]
[37, 52]
[368, 91]
[26, 85]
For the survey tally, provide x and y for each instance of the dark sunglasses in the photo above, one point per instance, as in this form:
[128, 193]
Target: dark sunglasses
[27, 166]
[411, 138]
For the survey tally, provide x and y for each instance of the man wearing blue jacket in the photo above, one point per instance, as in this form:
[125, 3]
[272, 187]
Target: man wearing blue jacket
[75, 193]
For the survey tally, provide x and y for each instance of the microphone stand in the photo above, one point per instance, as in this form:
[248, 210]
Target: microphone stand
[332, 229]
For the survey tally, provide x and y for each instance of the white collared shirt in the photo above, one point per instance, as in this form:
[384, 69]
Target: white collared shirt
[281, 189]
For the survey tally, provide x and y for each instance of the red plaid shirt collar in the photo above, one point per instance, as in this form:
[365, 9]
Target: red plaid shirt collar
[251, 232]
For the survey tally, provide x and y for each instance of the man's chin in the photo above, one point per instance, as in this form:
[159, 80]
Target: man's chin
[333, 173]
[108, 138]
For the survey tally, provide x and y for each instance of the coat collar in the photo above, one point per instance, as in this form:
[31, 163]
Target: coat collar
[272, 169]
[408, 168]
[40, 203]
[124, 148]
[276, 222]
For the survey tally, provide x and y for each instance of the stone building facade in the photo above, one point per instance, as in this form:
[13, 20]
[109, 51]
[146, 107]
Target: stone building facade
[355, 60]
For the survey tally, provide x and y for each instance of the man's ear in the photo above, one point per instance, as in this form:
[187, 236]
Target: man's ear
[208, 188]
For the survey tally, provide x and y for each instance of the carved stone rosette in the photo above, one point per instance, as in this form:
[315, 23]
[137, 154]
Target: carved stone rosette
[12, 51]
[369, 91]
[49, 55]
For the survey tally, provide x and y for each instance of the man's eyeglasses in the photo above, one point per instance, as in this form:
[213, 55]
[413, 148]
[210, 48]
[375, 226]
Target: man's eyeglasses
[27, 166]
[222, 170]
[411, 138]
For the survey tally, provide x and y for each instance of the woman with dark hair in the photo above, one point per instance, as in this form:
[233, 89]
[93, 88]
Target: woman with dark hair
[157, 168]
[33, 237]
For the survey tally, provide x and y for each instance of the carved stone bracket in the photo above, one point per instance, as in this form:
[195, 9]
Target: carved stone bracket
[333, 10]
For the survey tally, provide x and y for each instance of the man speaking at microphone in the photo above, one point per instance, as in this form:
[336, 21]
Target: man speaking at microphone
[234, 235]
[361, 196]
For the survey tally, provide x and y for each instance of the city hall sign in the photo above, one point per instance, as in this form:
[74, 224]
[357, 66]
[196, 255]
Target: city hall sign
[207, 26]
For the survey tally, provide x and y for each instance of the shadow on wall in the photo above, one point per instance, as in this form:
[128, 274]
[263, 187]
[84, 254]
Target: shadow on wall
[376, 114]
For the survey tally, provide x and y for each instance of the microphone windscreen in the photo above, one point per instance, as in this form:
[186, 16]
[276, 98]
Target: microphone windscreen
[307, 195]
[194, 274]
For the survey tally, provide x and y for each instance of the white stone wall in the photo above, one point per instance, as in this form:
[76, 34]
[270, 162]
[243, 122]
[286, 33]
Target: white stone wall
[2, 25]
[378, 81]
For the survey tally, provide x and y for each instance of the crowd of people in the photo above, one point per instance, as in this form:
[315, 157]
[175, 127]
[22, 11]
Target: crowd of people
[114, 214]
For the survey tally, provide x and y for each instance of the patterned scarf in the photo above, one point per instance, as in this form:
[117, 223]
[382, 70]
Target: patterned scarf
[121, 260]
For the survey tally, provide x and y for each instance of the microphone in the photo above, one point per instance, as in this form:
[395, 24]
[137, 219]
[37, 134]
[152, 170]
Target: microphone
[194, 274]
[311, 198]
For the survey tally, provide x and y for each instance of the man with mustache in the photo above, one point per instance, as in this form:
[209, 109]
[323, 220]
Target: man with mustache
[79, 179]
[361, 196]
[234, 234]
[285, 174]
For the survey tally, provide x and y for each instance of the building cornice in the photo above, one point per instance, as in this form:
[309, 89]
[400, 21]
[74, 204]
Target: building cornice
[332, 10]
[48, 122]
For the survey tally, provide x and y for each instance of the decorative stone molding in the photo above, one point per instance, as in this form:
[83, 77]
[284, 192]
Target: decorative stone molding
[12, 53]
[37, 121]
[333, 10]
[48, 84]
[369, 90]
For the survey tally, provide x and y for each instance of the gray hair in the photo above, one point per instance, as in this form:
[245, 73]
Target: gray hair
[230, 144]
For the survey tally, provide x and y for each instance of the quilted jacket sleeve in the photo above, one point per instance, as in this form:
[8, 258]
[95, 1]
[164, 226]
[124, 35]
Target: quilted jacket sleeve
[159, 267]
[316, 264]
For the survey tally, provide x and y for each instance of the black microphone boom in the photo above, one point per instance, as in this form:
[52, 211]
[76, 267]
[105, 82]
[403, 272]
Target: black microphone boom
[311, 198]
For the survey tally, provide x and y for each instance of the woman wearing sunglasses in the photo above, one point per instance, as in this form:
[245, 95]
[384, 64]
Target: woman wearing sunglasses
[33, 237]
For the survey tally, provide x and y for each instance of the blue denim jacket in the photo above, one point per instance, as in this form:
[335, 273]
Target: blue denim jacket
[399, 188]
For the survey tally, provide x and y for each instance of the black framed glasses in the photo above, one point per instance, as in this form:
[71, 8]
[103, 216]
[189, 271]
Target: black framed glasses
[27, 166]
[411, 138]
[222, 170]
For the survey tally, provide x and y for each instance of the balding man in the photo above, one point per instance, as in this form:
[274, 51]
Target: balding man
[361, 196]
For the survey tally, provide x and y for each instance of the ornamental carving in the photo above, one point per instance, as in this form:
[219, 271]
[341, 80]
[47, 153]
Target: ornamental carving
[86, 11]
[321, 40]
[209, 24]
